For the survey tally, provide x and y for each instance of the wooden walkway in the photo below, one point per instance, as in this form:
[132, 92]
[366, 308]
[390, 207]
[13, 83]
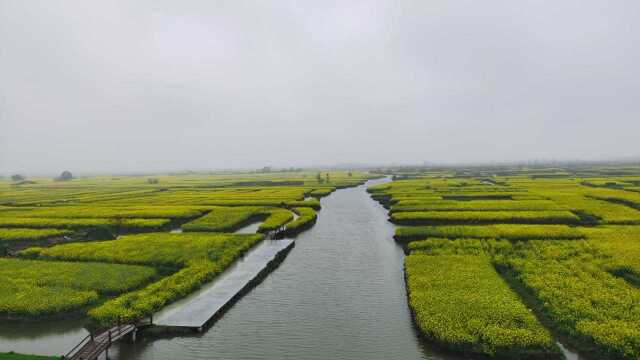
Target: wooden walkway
[94, 345]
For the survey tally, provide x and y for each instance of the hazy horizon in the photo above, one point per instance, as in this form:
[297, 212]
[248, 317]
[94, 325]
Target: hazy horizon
[123, 87]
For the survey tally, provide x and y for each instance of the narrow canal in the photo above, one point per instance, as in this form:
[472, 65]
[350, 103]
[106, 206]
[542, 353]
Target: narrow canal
[338, 295]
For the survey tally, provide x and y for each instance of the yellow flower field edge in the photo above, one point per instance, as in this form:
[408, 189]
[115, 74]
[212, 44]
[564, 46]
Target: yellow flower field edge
[479, 205]
[622, 244]
[144, 302]
[306, 219]
[14, 238]
[570, 283]
[319, 193]
[83, 223]
[153, 249]
[461, 303]
[597, 311]
[227, 219]
[275, 220]
[19, 234]
[484, 217]
[34, 289]
[499, 231]
[104, 212]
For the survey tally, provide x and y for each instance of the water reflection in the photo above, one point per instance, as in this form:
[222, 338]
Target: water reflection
[51, 337]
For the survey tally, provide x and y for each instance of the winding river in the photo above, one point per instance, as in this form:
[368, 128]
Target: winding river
[339, 294]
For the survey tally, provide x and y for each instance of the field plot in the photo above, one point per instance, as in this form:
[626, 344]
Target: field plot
[78, 264]
[565, 242]
[502, 231]
[159, 249]
[227, 219]
[484, 217]
[36, 288]
[83, 223]
[306, 218]
[17, 234]
[195, 257]
[478, 205]
[461, 302]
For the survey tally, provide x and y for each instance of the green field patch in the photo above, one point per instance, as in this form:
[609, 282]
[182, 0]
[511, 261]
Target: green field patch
[74, 223]
[227, 219]
[496, 231]
[621, 244]
[322, 192]
[306, 218]
[97, 208]
[480, 205]
[484, 217]
[18, 234]
[157, 249]
[630, 199]
[445, 246]
[276, 219]
[596, 310]
[131, 212]
[481, 196]
[608, 212]
[204, 257]
[461, 302]
[30, 288]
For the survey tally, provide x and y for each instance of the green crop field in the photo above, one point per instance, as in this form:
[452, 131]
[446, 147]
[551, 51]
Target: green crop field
[80, 223]
[17, 234]
[227, 218]
[500, 262]
[504, 231]
[487, 244]
[102, 245]
[306, 218]
[461, 302]
[35, 288]
[159, 249]
[487, 217]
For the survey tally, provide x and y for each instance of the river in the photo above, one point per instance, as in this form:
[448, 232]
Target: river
[339, 294]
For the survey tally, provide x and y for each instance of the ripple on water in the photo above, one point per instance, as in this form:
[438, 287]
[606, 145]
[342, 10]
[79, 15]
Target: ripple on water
[338, 295]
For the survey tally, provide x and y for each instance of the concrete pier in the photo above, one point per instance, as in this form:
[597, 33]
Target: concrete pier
[199, 309]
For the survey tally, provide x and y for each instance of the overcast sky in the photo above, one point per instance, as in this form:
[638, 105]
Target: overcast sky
[169, 85]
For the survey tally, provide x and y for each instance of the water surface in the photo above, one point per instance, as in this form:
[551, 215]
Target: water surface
[339, 294]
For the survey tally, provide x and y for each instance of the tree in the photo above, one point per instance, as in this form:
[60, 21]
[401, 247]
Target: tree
[152, 180]
[350, 174]
[66, 175]
[328, 180]
[319, 178]
[17, 177]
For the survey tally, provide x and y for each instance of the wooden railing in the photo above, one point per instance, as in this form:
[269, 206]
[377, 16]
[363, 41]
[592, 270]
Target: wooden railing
[95, 344]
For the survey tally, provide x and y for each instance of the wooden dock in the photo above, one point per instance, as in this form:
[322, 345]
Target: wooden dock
[95, 344]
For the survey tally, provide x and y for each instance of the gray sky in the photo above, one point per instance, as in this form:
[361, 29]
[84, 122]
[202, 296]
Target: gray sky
[161, 85]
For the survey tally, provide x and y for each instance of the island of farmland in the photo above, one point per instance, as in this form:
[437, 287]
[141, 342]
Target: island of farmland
[509, 262]
[115, 250]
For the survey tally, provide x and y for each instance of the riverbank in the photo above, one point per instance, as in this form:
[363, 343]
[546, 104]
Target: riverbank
[339, 294]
